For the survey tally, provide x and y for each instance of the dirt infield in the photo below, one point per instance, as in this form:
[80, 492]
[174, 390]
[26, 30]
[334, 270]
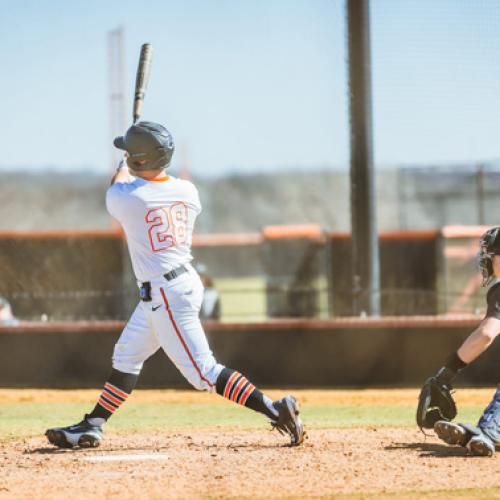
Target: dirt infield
[240, 460]
[236, 464]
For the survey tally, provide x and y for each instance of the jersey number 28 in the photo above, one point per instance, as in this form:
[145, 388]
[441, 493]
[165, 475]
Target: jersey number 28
[167, 226]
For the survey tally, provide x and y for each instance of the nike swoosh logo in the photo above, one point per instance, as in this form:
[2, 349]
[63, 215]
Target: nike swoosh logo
[155, 308]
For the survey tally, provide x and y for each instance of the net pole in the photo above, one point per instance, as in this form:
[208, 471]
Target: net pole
[365, 251]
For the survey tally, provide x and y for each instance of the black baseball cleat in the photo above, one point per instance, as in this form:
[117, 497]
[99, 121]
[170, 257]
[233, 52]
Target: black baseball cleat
[481, 446]
[288, 421]
[452, 433]
[82, 434]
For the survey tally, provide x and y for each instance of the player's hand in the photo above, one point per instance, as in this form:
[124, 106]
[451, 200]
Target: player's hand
[122, 163]
[435, 402]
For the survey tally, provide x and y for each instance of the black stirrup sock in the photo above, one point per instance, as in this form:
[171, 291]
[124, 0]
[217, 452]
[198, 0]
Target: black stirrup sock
[114, 393]
[234, 386]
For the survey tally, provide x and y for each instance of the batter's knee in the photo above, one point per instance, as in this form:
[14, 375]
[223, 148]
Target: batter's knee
[133, 369]
[199, 384]
[125, 362]
[204, 378]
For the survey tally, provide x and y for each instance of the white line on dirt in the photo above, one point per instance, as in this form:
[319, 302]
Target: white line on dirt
[126, 458]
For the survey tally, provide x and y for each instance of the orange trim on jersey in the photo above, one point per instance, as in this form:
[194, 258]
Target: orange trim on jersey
[179, 335]
[161, 179]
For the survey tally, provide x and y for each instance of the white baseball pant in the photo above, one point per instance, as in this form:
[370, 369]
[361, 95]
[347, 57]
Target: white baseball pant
[170, 321]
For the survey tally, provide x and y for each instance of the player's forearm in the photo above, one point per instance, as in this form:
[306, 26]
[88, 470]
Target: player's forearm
[477, 342]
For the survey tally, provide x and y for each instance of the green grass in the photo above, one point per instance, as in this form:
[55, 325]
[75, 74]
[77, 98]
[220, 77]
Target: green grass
[31, 419]
[476, 493]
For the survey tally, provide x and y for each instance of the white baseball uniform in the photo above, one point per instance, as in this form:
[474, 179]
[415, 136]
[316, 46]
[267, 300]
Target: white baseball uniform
[158, 219]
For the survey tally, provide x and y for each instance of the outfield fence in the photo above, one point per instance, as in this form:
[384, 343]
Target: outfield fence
[281, 272]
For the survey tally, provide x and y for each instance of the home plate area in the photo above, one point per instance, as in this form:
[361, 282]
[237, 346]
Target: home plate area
[139, 457]
[237, 463]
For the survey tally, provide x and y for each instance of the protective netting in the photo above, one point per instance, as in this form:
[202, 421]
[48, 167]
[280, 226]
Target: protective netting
[436, 98]
[436, 117]
[436, 77]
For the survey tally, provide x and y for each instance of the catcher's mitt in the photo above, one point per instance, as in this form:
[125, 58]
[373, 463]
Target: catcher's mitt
[435, 403]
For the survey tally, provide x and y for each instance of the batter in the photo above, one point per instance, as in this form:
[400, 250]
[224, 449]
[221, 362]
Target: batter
[158, 213]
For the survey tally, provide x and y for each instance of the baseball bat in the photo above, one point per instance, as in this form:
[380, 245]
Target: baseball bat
[141, 80]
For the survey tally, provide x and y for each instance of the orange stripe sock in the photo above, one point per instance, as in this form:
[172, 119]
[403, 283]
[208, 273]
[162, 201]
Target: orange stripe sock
[236, 387]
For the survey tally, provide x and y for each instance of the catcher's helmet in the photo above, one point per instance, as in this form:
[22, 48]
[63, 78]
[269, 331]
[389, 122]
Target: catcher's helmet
[149, 145]
[489, 246]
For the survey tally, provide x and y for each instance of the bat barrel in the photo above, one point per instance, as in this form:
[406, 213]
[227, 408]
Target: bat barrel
[141, 80]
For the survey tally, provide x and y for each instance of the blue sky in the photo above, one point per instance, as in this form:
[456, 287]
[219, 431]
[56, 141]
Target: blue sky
[251, 84]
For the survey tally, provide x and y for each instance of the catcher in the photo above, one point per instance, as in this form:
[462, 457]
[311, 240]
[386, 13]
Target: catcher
[436, 407]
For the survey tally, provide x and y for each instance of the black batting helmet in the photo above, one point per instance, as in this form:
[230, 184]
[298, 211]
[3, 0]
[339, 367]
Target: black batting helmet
[149, 145]
[489, 246]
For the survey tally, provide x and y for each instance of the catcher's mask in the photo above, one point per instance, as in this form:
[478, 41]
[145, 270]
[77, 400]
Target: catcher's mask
[149, 145]
[489, 246]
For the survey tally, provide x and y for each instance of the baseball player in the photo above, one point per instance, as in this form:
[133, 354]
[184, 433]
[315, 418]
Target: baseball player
[157, 213]
[436, 406]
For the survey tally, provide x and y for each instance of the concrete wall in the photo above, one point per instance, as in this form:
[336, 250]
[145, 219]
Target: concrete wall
[309, 353]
